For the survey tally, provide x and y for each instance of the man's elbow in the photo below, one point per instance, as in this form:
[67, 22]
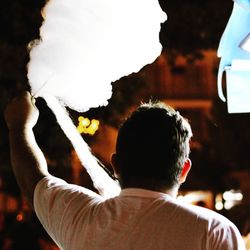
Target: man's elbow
[28, 187]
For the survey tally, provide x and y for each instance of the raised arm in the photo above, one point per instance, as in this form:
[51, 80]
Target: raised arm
[28, 162]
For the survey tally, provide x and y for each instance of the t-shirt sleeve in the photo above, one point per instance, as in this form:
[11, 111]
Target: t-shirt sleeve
[224, 235]
[58, 206]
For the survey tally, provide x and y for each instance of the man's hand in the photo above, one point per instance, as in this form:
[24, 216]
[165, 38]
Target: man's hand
[21, 112]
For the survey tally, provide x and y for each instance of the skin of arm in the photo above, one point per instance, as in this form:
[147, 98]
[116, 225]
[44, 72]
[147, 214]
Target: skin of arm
[28, 162]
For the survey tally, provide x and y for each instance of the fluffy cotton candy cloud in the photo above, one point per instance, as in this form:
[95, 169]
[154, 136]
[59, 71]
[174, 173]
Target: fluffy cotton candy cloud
[84, 46]
[87, 44]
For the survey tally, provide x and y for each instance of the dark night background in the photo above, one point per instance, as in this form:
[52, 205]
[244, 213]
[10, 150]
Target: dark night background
[192, 26]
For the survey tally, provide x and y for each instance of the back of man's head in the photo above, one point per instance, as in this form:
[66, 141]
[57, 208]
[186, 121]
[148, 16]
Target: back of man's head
[152, 146]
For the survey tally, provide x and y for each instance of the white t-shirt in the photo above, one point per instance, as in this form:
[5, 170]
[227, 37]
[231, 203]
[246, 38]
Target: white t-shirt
[77, 218]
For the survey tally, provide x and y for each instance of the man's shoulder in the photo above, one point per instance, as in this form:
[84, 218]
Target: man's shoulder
[51, 182]
[198, 212]
[50, 188]
[212, 219]
[220, 230]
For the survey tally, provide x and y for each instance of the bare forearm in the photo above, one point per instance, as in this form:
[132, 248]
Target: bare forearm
[28, 161]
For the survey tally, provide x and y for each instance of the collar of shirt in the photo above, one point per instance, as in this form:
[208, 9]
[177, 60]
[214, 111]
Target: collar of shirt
[138, 192]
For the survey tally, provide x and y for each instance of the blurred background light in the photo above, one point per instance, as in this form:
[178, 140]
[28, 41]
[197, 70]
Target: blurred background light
[87, 126]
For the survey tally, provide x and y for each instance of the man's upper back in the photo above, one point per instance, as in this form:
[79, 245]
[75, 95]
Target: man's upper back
[136, 219]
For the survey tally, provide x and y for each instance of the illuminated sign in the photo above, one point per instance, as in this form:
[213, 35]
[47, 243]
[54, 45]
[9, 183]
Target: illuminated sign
[234, 50]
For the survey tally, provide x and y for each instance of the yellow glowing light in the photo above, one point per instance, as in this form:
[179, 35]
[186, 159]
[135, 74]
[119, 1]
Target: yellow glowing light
[91, 131]
[95, 124]
[86, 126]
[80, 118]
[85, 130]
[85, 122]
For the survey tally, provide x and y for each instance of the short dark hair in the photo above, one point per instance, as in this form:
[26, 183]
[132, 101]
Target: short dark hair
[152, 145]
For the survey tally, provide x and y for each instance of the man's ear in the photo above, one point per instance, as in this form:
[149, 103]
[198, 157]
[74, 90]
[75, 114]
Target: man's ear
[115, 165]
[185, 169]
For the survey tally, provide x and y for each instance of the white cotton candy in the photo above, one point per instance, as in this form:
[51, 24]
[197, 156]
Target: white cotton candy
[84, 46]
[87, 44]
